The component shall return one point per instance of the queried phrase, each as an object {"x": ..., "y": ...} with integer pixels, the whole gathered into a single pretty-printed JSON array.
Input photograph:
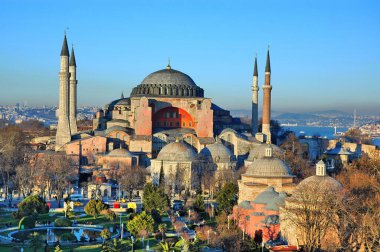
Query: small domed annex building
[
  {"x": 264, "y": 171},
  {"x": 179, "y": 165}
]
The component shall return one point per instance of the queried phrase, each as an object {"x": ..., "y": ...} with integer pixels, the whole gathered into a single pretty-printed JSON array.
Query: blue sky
[{"x": 324, "y": 54}]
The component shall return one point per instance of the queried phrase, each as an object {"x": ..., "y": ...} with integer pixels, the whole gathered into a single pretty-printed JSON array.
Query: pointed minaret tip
[
  {"x": 255, "y": 73},
  {"x": 72, "y": 58},
  {"x": 65, "y": 48},
  {"x": 267, "y": 66},
  {"x": 122, "y": 95}
]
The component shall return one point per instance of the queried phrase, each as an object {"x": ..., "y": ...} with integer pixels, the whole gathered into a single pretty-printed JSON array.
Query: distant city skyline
[{"x": 324, "y": 54}]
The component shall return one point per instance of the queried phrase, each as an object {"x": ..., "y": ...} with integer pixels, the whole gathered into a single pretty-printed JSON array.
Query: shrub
[
  {"x": 27, "y": 221},
  {"x": 94, "y": 207},
  {"x": 62, "y": 222},
  {"x": 109, "y": 214},
  {"x": 68, "y": 237},
  {"x": 32, "y": 205}
]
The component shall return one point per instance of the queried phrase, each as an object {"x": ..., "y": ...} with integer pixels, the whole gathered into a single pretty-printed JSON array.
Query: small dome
[
  {"x": 120, "y": 153},
  {"x": 269, "y": 167},
  {"x": 217, "y": 152},
  {"x": 266, "y": 196},
  {"x": 259, "y": 151},
  {"x": 325, "y": 182},
  {"x": 275, "y": 203},
  {"x": 123, "y": 101},
  {"x": 177, "y": 151}
]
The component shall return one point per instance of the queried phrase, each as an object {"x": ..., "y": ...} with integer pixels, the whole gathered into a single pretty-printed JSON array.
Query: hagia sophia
[{"x": 168, "y": 127}]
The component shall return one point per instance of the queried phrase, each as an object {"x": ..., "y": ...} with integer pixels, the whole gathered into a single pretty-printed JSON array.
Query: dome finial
[
  {"x": 320, "y": 168},
  {"x": 168, "y": 66}
]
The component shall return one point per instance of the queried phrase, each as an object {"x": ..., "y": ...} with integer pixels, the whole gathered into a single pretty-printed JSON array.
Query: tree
[
  {"x": 154, "y": 198},
  {"x": 227, "y": 197},
  {"x": 130, "y": 178},
  {"x": 311, "y": 213},
  {"x": 25, "y": 174},
  {"x": 359, "y": 216},
  {"x": 161, "y": 181},
  {"x": 162, "y": 229},
  {"x": 35, "y": 241},
  {"x": 113, "y": 246},
  {"x": 12, "y": 154},
  {"x": 57, "y": 249},
  {"x": 141, "y": 225},
  {"x": 199, "y": 204},
  {"x": 105, "y": 234},
  {"x": 94, "y": 207},
  {"x": 295, "y": 158},
  {"x": 32, "y": 205},
  {"x": 27, "y": 222}
]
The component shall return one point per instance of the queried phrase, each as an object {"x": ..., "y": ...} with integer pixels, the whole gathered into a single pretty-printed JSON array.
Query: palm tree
[{"x": 162, "y": 228}]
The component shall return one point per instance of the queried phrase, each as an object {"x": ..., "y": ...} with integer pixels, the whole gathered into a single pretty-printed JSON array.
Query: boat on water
[
  {"x": 302, "y": 132},
  {"x": 289, "y": 124}
]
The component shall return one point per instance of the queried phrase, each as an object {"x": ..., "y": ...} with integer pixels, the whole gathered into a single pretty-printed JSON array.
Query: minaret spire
[
  {"x": 267, "y": 89},
  {"x": 73, "y": 92},
  {"x": 72, "y": 58},
  {"x": 122, "y": 95},
  {"x": 63, "y": 134},
  {"x": 65, "y": 48},
  {"x": 267, "y": 66},
  {"x": 255, "y": 100}
]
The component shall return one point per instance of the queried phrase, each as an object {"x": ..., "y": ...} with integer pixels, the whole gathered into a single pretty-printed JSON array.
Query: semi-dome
[
  {"x": 216, "y": 152},
  {"x": 268, "y": 167},
  {"x": 168, "y": 82},
  {"x": 120, "y": 153},
  {"x": 177, "y": 151}
]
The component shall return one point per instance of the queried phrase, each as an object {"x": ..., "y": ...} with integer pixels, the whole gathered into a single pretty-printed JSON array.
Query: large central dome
[{"x": 168, "y": 82}]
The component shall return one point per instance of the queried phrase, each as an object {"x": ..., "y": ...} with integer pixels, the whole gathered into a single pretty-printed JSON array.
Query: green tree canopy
[
  {"x": 94, "y": 207},
  {"x": 199, "y": 204},
  {"x": 141, "y": 225},
  {"x": 154, "y": 198},
  {"x": 227, "y": 197},
  {"x": 32, "y": 205}
]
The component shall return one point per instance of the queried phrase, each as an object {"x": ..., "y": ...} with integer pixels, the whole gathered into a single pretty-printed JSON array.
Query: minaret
[
  {"x": 73, "y": 93},
  {"x": 63, "y": 135},
  {"x": 267, "y": 88},
  {"x": 255, "y": 100}
]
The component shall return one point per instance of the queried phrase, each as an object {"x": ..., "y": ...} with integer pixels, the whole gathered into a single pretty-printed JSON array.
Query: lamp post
[
  {"x": 132, "y": 239},
  {"x": 121, "y": 228},
  {"x": 208, "y": 237},
  {"x": 228, "y": 222}
]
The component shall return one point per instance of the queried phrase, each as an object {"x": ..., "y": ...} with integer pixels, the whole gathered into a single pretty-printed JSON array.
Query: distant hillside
[{"x": 295, "y": 116}]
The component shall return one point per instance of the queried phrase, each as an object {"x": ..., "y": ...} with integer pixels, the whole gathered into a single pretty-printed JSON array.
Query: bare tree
[
  {"x": 312, "y": 212},
  {"x": 131, "y": 178},
  {"x": 12, "y": 154}
]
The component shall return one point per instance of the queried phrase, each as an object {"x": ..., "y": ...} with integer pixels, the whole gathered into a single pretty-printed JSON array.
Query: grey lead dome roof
[
  {"x": 268, "y": 167},
  {"x": 169, "y": 77},
  {"x": 177, "y": 151},
  {"x": 259, "y": 151},
  {"x": 168, "y": 82},
  {"x": 217, "y": 152},
  {"x": 120, "y": 153},
  {"x": 325, "y": 182}
]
